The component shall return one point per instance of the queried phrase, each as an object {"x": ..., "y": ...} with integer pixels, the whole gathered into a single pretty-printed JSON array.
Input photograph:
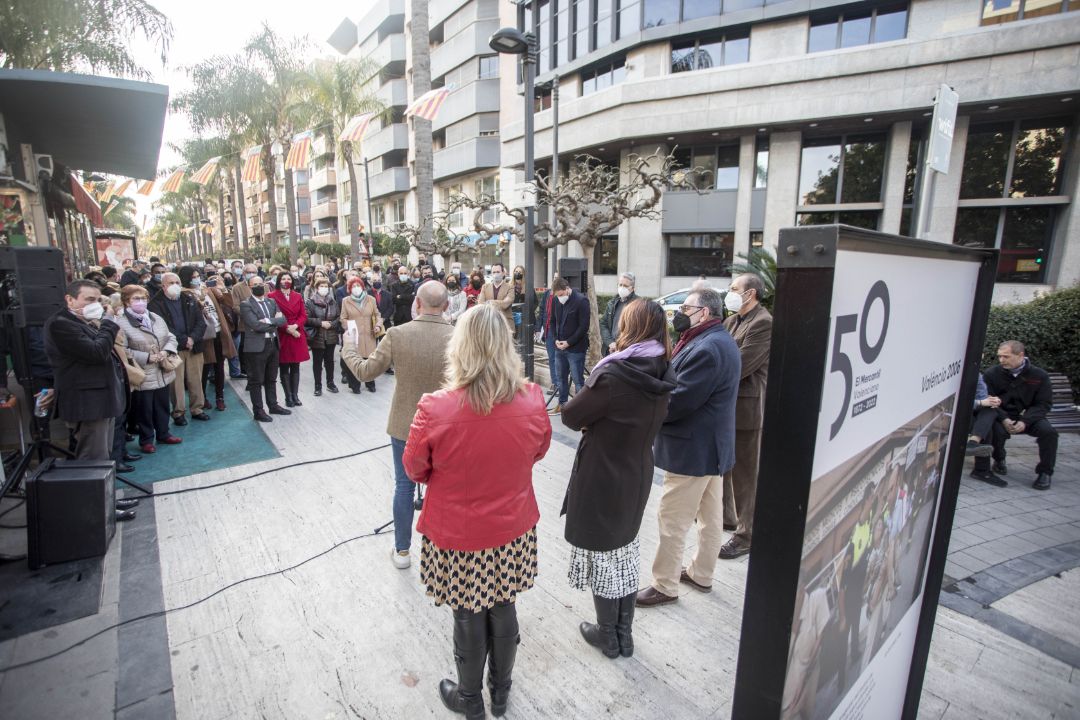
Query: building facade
[{"x": 814, "y": 111}]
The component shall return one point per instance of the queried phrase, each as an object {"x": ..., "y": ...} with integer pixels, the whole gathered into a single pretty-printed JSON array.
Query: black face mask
[
  {"x": 518, "y": 276},
  {"x": 477, "y": 284},
  {"x": 258, "y": 290},
  {"x": 680, "y": 321}
]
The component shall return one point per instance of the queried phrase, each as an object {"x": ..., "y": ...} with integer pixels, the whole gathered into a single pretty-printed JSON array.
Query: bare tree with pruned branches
[{"x": 436, "y": 236}]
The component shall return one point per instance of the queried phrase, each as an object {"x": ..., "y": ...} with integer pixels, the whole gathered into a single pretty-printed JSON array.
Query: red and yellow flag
[
  {"x": 146, "y": 188},
  {"x": 172, "y": 184},
  {"x": 299, "y": 151},
  {"x": 356, "y": 127},
  {"x": 119, "y": 192},
  {"x": 206, "y": 173},
  {"x": 252, "y": 170},
  {"x": 428, "y": 105}
]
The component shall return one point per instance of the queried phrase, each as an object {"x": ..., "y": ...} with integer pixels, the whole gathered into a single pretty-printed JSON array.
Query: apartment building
[
  {"x": 814, "y": 111},
  {"x": 257, "y": 207}
]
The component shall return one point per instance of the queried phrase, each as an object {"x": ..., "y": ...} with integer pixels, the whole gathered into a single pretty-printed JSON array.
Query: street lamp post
[{"x": 511, "y": 41}]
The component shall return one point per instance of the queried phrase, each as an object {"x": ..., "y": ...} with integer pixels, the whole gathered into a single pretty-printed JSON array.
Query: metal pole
[
  {"x": 554, "y": 157},
  {"x": 370, "y": 227},
  {"x": 529, "y": 61}
]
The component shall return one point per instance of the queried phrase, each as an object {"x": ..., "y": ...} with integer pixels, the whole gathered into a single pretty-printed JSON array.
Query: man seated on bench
[{"x": 1026, "y": 396}]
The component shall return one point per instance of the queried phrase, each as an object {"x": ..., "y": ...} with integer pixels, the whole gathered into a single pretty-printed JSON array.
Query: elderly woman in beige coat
[
  {"x": 360, "y": 307},
  {"x": 149, "y": 342}
]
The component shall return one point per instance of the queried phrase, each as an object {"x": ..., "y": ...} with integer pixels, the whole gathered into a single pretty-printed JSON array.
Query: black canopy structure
[{"x": 85, "y": 121}]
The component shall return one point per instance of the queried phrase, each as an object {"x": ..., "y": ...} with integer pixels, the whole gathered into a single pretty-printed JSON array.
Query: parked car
[{"x": 672, "y": 302}]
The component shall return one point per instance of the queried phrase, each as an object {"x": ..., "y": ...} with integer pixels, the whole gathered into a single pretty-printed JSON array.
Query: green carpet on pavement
[{"x": 229, "y": 438}]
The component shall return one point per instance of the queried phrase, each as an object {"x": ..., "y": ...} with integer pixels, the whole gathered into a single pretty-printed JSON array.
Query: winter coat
[
  {"x": 366, "y": 316},
  {"x": 321, "y": 309},
  {"x": 292, "y": 349},
  {"x": 228, "y": 347},
  {"x": 89, "y": 380},
  {"x": 141, "y": 343}
]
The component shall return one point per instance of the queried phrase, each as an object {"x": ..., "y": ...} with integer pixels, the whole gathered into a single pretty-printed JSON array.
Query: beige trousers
[
  {"x": 687, "y": 497},
  {"x": 188, "y": 377}
]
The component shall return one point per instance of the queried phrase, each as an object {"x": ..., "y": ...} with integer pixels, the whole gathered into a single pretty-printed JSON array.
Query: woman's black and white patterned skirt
[{"x": 609, "y": 573}]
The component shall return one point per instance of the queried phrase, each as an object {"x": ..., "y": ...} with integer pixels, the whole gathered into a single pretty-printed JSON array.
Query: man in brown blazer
[
  {"x": 499, "y": 293},
  {"x": 751, "y": 326},
  {"x": 417, "y": 351}
]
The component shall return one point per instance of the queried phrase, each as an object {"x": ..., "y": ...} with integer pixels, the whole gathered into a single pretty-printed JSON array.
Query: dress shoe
[
  {"x": 296, "y": 402},
  {"x": 389, "y": 371},
  {"x": 180, "y": 420},
  {"x": 148, "y": 448},
  {"x": 220, "y": 405},
  {"x": 318, "y": 392},
  {"x": 131, "y": 457},
  {"x": 126, "y": 503},
  {"x": 261, "y": 416},
  {"x": 1000, "y": 468},
  {"x": 201, "y": 416},
  {"x": 288, "y": 402},
  {"x": 128, "y": 437},
  {"x": 683, "y": 577},
  {"x": 171, "y": 440},
  {"x": 371, "y": 387},
  {"x": 557, "y": 410},
  {"x": 356, "y": 391},
  {"x": 238, "y": 376},
  {"x": 1042, "y": 482},
  {"x": 124, "y": 468},
  {"x": 977, "y": 449},
  {"x": 207, "y": 405},
  {"x": 990, "y": 478},
  {"x": 278, "y": 410},
  {"x": 125, "y": 515},
  {"x": 651, "y": 597},
  {"x": 331, "y": 387},
  {"x": 730, "y": 527},
  {"x": 733, "y": 549}
]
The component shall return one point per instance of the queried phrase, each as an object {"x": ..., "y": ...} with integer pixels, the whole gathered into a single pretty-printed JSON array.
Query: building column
[
  {"x": 946, "y": 188},
  {"x": 641, "y": 241},
  {"x": 1064, "y": 270},
  {"x": 785, "y": 157},
  {"x": 742, "y": 203},
  {"x": 895, "y": 176}
]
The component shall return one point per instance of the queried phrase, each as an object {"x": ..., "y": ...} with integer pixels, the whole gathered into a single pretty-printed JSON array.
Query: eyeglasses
[{"x": 684, "y": 309}]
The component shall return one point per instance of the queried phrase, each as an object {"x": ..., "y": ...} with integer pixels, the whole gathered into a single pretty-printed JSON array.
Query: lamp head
[{"x": 509, "y": 41}]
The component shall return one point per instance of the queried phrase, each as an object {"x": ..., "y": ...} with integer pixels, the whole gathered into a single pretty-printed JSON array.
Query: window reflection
[
  {"x": 629, "y": 17},
  {"x": 727, "y": 167},
  {"x": 864, "y": 164},
  {"x": 855, "y": 31},
  {"x": 1025, "y": 244},
  {"x": 986, "y": 159},
  {"x": 660, "y": 12},
  {"x": 700, "y": 254},
  {"x": 828, "y": 32},
  {"x": 1037, "y": 164},
  {"x": 761, "y": 163},
  {"x": 819, "y": 172},
  {"x": 704, "y": 54},
  {"x": 700, "y": 8},
  {"x": 823, "y": 37}
]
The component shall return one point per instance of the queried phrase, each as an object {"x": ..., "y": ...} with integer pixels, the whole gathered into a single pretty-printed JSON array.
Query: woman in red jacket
[
  {"x": 474, "y": 444},
  {"x": 291, "y": 339}
]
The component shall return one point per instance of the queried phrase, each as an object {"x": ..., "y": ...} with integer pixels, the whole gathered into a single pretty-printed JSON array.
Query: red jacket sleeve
[
  {"x": 417, "y": 457},
  {"x": 545, "y": 444}
]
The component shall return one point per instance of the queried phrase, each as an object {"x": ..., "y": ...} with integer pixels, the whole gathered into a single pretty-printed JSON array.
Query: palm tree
[
  {"x": 334, "y": 96},
  {"x": 121, "y": 213},
  {"x": 762, "y": 263},
  {"x": 73, "y": 35},
  {"x": 421, "y": 69}
]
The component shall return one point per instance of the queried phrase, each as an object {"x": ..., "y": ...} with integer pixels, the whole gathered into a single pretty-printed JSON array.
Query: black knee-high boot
[
  {"x": 294, "y": 383},
  {"x": 286, "y": 385},
  {"x": 470, "y": 652},
  {"x": 602, "y": 634},
  {"x": 624, "y": 625},
  {"x": 503, "y": 639}
]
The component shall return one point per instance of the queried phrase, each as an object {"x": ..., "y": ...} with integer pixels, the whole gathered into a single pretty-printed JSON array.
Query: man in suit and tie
[
  {"x": 417, "y": 351},
  {"x": 572, "y": 315},
  {"x": 261, "y": 319},
  {"x": 499, "y": 293},
  {"x": 750, "y": 324}
]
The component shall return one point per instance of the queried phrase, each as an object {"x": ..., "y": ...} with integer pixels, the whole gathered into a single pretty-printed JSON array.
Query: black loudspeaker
[
  {"x": 31, "y": 284},
  {"x": 576, "y": 272},
  {"x": 70, "y": 510}
]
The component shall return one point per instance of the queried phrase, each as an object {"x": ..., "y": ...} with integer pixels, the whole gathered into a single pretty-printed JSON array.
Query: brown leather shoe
[
  {"x": 733, "y": 549},
  {"x": 651, "y": 597},
  {"x": 683, "y": 577}
]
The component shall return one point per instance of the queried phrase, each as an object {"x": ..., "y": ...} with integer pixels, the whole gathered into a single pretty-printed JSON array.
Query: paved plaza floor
[{"x": 346, "y": 635}]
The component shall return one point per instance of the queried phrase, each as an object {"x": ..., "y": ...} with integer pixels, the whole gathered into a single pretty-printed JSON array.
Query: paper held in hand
[{"x": 352, "y": 333}]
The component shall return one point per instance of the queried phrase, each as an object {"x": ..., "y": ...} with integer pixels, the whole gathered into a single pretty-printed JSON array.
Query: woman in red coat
[
  {"x": 474, "y": 444},
  {"x": 291, "y": 339}
]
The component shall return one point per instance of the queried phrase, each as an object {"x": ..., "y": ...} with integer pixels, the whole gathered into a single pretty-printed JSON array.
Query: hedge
[{"x": 1049, "y": 326}]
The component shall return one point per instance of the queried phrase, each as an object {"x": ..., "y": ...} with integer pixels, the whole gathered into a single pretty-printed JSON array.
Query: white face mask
[
  {"x": 324, "y": 291},
  {"x": 624, "y": 292},
  {"x": 357, "y": 291},
  {"x": 173, "y": 291},
  {"x": 563, "y": 298},
  {"x": 733, "y": 301},
  {"x": 496, "y": 278},
  {"x": 93, "y": 311},
  {"x": 402, "y": 277}
]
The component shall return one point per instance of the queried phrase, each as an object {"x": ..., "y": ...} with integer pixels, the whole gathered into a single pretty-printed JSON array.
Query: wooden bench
[{"x": 1063, "y": 412}]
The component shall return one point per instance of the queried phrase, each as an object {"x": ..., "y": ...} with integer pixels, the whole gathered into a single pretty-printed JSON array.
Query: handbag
[
  {"x": 171, "y": 361},
  {"x": 136, "y": 375}
]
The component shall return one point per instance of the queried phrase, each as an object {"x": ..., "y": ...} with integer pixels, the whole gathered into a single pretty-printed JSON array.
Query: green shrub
[
  {"x": 602, "y": 303},
  {"x": 1049, "y": 326}
]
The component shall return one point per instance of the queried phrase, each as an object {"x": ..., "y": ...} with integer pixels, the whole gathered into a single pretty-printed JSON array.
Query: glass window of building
[
  {"x": 378, "y": 213},
  {"x": 660, "y": 12},
  {"x": 543, "y": 36},
  {"x": 864, "y": 166},
  {"x": 606, "y": 256},
  {"x": 734, "y": 5},
  {"x": 399, "y": 211},
  {"x": 581, "y": 28},
  {"x": 757, "y": 239},
  {"x": 489, "y": 67},
  {"x": 830, "y": 31},
  {"x": 700, "y": 8},
  {"x": 601, "y": 36},
  {"x": 1023, "y": 157},
  {"x": 630, "y": 17},
  {"x": 916, "y": 148},
  {"x": 844, "y": 170},
  {"x": 1037, "y": 154},
  {"x": 602, "y": 77},
  {"x": 819, "y": 171},
  {"x": 727, "y": 167},
  {"x": 706, "y": 254},
  {"x": 986, "y": 160},
  {"x": 859, "y": 218},
  {"x": 761, "y": 163},
  {"x": 562, "y": 32},
  {"x": 1002, "y": 11},
  {"x": 705, "y": 53}
]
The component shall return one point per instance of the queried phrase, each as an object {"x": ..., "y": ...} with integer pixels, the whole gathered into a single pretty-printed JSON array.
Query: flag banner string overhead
[
  {"x": 119, "y": 192},
  {"x": 299, "y": 151},
  {"x": 172, "y": 184},
  {"x": 107, "y": 192},
  {"x": 146, "y": 188},
  {"x": 252, "y": 171},
  {"x": 113, "y": 204},
  {"x": 427, "y": 106},
  {"x": 206, "y": 173},
  {"x": 356, "y": 127}
]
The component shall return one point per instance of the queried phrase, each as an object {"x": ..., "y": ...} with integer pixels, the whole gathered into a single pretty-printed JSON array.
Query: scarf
[
  {"x": 649, "y": 349},
  {"x": 359, "y": 300},
  {"x": 143, "y": 320},
  {"x": 692, "y": 333}
]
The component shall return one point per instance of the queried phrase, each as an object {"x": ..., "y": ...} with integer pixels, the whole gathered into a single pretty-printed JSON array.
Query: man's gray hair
[
  {"x": 432, "y": 295},
  {"x": 1015, "y": 347},
  {"x": 707, "y": 297},
  {"x": 629, "y": 276},
  {"x": 753, "y": 281}
]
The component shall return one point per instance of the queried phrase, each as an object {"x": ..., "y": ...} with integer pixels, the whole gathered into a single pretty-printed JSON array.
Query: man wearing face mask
[
  {"x": 89, "y": 379},
  {"x": 751, "y": 326},
  {"x": 262, "y": 319},
  {"x": 240, "y": 292},
  {"x": 403, "y": 293},
  {"x": 571, "y": 339},
  {"x": 157, "y": 270},
  {"x": 695, "y": 447},
  {"x": 183, "y": 314},
  {"x": 609, "y": 323},
  {"x": 499, "y": 293}
]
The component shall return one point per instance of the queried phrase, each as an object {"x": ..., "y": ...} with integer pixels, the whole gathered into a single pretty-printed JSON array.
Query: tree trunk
[
  {"x": 270, "y": 176},
  {"x": 290, "y": 206},
  {"x": 207, "y": 238},
  {"x": 238, "y": 208},
  {"x": 594, "y": 354},
  {"x": 421, "y": 69},
  {"x": 221, "y": 212},
  {"x": 354, "y": 203}
]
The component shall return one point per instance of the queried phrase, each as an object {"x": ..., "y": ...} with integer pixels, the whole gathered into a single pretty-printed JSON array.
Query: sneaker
[
  {"x": 402, "y": 559},
  {"x": 557, "y": 410},
  {"x": 976, "y": 449}
]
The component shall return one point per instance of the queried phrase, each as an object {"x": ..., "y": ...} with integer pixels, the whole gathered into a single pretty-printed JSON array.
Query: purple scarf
[{"x": 649, "y": 349}]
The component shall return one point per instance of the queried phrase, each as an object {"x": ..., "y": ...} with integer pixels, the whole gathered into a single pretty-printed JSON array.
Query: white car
[{"x": 672, "y": 302}]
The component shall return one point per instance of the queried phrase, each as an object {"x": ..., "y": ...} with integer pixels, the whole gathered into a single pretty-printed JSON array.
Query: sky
[{"x": 204, "y": 28}]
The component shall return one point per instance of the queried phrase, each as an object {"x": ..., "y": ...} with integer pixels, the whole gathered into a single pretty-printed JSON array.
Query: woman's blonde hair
[{"x": 481, "y": 359}]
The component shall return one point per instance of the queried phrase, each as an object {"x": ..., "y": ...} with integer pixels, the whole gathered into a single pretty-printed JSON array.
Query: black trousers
[
  {"x": 151, "y": 411},
  {"x": 262, "y": 372},
  {"x": 119, "y": 438},
  {"x": 323, "y": 359},
  {"x": 217, "y": 370},
  {"x": 1046, "y": 437}
]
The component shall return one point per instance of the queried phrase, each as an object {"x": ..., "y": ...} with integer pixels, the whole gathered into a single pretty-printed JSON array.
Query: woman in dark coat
[
  {"x": 619, "y": 412},
  {"x": 322, "y": 328}
]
